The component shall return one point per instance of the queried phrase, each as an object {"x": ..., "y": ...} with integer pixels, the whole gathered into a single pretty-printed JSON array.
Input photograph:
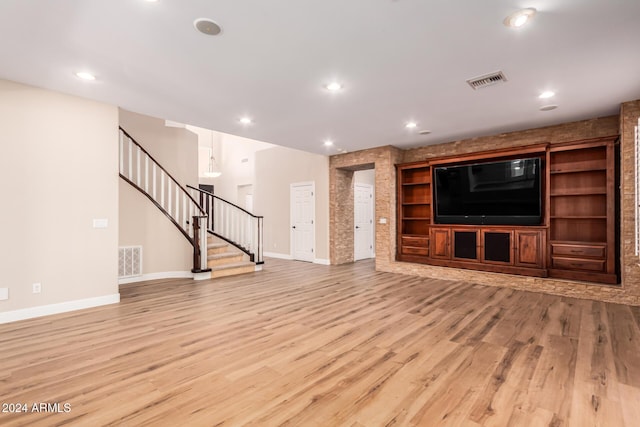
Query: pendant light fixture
[{"x": 214, "y": 170}]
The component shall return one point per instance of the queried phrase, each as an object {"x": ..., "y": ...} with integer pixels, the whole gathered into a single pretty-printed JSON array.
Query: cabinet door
[
  {"x": 529, "y": 247},
  {"x": 440, "y": 243},
  {"x": 497, "y": 247},
  {"x": 466, "y": 244}
]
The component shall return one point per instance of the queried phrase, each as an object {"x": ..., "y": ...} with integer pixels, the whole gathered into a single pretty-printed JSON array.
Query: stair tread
[
  {"x": 224, "y": 255},
  {"x": 234, "y": 265},
  {"x": 216, "y": 245}
]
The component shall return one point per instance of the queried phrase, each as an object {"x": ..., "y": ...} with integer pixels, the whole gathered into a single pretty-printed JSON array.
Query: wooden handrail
[
  {"x": 161, "y": 168},
  {"x": 225, "y": 201},
  {"x": 157, "y": 205},
  {"x": 185, "y": 208},
  {"x": 228, "y": 226}
]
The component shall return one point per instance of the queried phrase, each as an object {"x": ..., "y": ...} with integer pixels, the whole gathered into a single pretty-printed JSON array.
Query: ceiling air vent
[{"x": 487, "y": 80}]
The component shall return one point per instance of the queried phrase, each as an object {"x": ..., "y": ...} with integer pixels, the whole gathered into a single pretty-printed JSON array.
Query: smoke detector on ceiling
[{"x": 487, "y": 80}]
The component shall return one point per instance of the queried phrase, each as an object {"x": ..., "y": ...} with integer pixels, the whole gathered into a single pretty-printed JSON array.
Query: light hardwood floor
[{"x": 309, "y": 345}]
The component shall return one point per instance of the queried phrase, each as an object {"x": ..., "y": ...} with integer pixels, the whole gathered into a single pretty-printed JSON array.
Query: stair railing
[
  {"x": 232, "y": 223},
  {"x": 143, "y": 172}
]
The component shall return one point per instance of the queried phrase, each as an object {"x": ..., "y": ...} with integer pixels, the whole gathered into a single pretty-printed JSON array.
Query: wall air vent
[
  {"x": 129, "y": 261},
  {"x": 487, "y": 80}
]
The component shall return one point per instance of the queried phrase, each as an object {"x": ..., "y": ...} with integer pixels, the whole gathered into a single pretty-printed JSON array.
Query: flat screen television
[{"x": 497, "y": 193}]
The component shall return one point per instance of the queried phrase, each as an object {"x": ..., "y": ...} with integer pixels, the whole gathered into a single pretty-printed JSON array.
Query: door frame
[{"x": 313, "y": 218}]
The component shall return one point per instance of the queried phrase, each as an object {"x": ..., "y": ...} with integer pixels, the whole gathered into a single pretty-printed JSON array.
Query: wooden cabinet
[
  {"x": 497, "y": 246},
  {"x": 529, "y": 248},
  {"x": 414, "y": 211},
  {"x": 577, "y": 239},
  {"x": 466, "y": 244},
  {"x": 582, "y": 211},
  {"x": 440, "y": 245},
  {"x": 502, "y": 249}
]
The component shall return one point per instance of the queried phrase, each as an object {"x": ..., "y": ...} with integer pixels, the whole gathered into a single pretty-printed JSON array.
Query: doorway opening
[{"x": 363, "y": 214}]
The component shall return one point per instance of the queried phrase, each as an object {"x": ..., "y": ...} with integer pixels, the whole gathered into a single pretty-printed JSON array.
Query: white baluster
[
  {"x": 169, "y": 196},
  {"x": 146, "y": 174},
  {"x": 138, "y": 155},
  {"x": 184, "y": 212},
  {"x": 153, "y": 181},
  {"x": 130, "y": 161},
  {"x": 162, "y": 188},
  {"x": 191, "y": 207},
  {"x": 177, "y": 207},
  {"x": 121, "y": 152},
  {"x": 203, "y": 246}
]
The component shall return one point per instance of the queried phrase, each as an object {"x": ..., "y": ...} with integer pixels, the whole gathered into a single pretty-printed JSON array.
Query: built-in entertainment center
[{"x": 547, "y": 210}]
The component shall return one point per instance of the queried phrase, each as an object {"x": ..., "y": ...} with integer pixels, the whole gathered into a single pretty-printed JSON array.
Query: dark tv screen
[{"x": 497, "y": 193}]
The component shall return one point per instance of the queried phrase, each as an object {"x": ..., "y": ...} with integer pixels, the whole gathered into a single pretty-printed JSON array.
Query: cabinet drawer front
[
  {"x": 577, "y": 250},
  {"x": 411, "y": 250},
  {"x": 578, "y": 264},
  {"x": 415, "y": 241}
]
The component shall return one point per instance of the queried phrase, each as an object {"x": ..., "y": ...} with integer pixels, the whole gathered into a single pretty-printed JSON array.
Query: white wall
[
  {"x": 235, "y": 157},
  {"x": 276, "y": 169},
  {"x": 165, "y": 250},
  {"x": 59, "y": 171}
]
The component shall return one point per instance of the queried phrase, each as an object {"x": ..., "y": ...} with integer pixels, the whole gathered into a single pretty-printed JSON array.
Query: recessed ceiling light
[
  {"x": 546, "y": 94},
  {"x": 328, "y": 143},
  {"x": 333, "y": 87},
  {"x": 245, "y": 120},
  {"x": 519, "y": 18},
  {"x": 424, "y": 132},
  {"x": 411, "y": 125},
  {"x": 207, "y": 26},
  {"x": 85, "y": 75},
  {"x": 548, "y": 107}
]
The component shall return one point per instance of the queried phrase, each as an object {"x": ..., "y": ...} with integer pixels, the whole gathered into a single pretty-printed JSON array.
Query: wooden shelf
[
  {"x": 416, "y": 183},
  {"x": 416, "y": 204},
  {"x": 416, "y": 219},
  {"x": 578, "y": 217},
  {"x": 577, "y": 192},
  {"x": 583, "y": 166}
]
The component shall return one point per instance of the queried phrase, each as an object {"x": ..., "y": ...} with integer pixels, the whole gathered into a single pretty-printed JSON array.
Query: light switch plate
[
  {"x": 383, "y": 220},
  {"x": 100, "y": 223},
  {"x": 4, "y": 293}
]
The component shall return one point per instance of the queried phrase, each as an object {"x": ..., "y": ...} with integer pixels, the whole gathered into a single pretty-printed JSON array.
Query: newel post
[{"x": 197, "y": 248}]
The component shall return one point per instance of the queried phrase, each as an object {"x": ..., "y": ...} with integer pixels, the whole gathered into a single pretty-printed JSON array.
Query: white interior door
[
  {"x": 303, "y": 221},
  {"x": 363, "y": 221}
]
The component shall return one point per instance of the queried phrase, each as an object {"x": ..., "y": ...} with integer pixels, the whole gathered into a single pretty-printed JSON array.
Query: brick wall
[
  {"x": 384, "y": 159},
  {"x": 629, "y": 114}
]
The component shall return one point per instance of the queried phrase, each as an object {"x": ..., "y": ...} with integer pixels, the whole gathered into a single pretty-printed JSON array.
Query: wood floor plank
[{"x": 303, "y": 344}]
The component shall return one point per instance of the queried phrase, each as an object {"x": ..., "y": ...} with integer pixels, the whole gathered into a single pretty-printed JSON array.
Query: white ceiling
[{"x": 398, "y": 60}]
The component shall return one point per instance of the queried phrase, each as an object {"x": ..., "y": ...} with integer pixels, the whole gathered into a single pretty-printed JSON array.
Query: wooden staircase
[{"x": 225, "y": 260}]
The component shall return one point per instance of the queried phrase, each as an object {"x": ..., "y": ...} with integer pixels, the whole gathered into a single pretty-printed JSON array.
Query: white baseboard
[
  {"x": 290, "y": 258},
  {"x": 201, "y": 276},
  {"x": 155, "y": 276},
  {"x": 277, "y": 255},
  {"x": 63, "y": 307}
]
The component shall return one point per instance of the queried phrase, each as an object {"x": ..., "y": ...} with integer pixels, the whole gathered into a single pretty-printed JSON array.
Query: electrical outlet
[
  {"x": 4, "y": 293},
  {"x": 37, "y": 288}
]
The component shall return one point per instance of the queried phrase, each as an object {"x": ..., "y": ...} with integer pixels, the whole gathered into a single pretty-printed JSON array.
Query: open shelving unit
[
  {"x": 414, "y": 210},
  {"x": 582, "y": 211}
]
